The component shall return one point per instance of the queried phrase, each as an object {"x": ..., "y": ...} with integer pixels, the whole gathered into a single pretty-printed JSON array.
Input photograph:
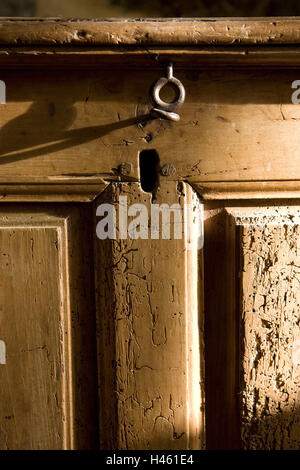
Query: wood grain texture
[
  {"x": 252, "y": 357},
  {"x": 267, "y": 42},
  {"x": 154, "y": 57},
  {"x": 72, "y": 131},
  {"x": 177, "y": 31},
  {"x": 150, "y": 336},
  {"x": 48, "y": 384},
  {"x": 77, "y": 108}
]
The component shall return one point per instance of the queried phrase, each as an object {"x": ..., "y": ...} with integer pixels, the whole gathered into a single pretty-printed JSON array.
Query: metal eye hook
[
  {"x": 170, "y": 70},
  {"x": 162, "y": 108}
]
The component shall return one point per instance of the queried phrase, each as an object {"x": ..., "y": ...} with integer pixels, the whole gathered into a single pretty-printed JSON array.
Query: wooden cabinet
[{"x": 149, "y": 343}]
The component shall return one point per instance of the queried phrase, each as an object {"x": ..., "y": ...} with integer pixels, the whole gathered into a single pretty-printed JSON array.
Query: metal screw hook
[
  {"x": 170, "y": 70},
  {"x": 161, "y": 108}
]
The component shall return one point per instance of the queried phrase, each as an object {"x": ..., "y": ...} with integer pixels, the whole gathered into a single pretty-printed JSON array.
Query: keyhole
[{"x": 149, "y": 164}]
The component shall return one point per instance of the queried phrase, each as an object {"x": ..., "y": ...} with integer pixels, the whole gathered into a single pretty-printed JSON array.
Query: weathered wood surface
[
  {"x": 57, "y": 42},
  {"x": 74, "y": 130},
  {"x": 270, "y": 332},
  {"x": 64, "y": 134},
  {"x": 252, "y": 358},
  {"x": 48, "y": 391},
  {"x": 177, "y": 31},
  {"x": 150, "y": 335}
]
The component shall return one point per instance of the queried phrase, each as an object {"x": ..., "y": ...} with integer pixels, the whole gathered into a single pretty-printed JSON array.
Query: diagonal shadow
[{"x": 57, "y": 139}]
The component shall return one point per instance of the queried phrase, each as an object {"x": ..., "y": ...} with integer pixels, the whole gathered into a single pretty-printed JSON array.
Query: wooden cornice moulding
[
  {"x": 224, "y": 190},
  {"x": 195, "y": 41},
  {"x": 151, "y": 57},
  {"x": 151, "y": 32}
]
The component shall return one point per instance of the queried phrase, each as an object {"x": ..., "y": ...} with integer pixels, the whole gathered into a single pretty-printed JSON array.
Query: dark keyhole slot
[{"x": 149, "y": 162}]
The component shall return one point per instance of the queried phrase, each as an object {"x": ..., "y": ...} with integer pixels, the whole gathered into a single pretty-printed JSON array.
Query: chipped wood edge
[
  {"x": 177, "y": 31},
  {"x": 92, "y": 43}
]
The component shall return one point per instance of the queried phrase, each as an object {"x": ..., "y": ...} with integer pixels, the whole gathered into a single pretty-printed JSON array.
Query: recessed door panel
[{"x": 47, "y": 374}]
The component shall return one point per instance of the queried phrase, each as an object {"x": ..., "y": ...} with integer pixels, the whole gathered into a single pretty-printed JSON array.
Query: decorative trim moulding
[
  {"x": 226, "y": 190},
  {"x": 133, "y": 32},
  {"x": 152, "y": 57},
  {"x": 196, "y": 41},
  {"x": 51, "y": 189},
  {"x": 87, "y": 189}
]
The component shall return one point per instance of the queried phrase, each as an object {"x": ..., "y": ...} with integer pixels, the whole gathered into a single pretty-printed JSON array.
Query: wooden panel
[
  {"x": 271, "y": 333},
  {"x": 254, "y": 295},
  {"x": 150, "y": 334},
  {"x": 47, "y": 385},
  {"x": 74, "y": 130},
  {"x": 221, "y": 332}
]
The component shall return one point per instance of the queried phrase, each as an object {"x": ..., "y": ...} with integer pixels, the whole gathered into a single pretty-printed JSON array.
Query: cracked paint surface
[
  {"x": 270, "y": 334},
  {"x": 144, "y": 326}
]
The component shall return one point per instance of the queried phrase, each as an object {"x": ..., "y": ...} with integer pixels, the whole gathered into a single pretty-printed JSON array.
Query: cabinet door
[
  {"x": 252, "y": 299},
  {"x": 48, "y": 389}
]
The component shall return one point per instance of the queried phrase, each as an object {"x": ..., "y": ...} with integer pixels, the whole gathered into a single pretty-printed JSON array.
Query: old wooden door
[{"x": 149, "y": 343}]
